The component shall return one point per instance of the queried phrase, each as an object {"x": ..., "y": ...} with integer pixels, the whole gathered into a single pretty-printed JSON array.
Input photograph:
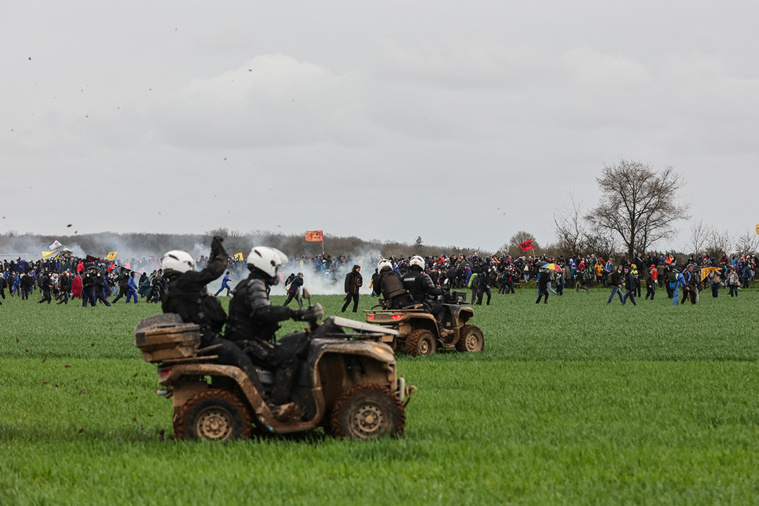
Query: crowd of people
[
  {"x": 246, "y": 337},
  {"x": 625, "y": 276},
  {"x": 92, "y": 280}
]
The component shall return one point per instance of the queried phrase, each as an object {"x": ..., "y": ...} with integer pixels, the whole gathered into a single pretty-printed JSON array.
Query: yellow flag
[
  {"x": 705, "y": 271},
  {"x": 112, "y": 255},
  {"x": 48, "y": 254},
  {"x": 238, "y": 256},
  {"x": 757, "y": 229}
]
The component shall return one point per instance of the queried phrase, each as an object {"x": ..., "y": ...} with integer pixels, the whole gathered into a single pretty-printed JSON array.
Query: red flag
[
  {"x": 314, "y": 236},
  {"x": 526, "y": 246}
]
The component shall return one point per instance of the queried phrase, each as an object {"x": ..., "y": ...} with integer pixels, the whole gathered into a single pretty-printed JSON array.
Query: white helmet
[
  {"x": 267, "y": 260},
  {"x": 384, "y": 264},
  {"x": 177, "y": 262},
  {"x": 416, "y": 260}
]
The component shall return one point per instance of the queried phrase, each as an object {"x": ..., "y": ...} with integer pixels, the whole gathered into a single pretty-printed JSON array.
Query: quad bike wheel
[
  {"x": 420, "y": 342},
  {"x": 213, "y": 415},
  {"x": 368, "y": 411},
  {"x": 471, "y": 339}
]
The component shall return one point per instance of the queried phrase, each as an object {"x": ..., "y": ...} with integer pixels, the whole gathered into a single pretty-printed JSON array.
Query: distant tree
[
  {"x": 513, "y": 249},
  {"x": 220, "y": 232},
  {"x": 747, "y": 243},
  {"x": 395, "y": 250},
  {"x": 602, "y": 245},
  {"x": 571, "y": 230},
  {"x": 718, "y": 243},
  {"x": 699, "y": 236},
  {"x": 637, "y": 204},
  {"x": 418, "y": 245}
]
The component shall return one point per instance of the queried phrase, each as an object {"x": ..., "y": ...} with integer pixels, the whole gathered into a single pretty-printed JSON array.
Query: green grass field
[{"x": 576, "y": 401}]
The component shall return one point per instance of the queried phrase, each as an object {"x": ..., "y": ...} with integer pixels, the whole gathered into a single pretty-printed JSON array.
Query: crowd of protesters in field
[
  {"x": 91, "y": 280},
  {"x": 555, "y": 274},
  {"x": 94, "y": 280}
]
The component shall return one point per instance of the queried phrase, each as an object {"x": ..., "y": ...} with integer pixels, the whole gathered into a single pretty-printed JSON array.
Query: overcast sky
[{"x": 460, "y": 122}]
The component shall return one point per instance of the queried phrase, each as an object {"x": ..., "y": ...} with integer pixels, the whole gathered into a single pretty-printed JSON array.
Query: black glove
[
  {"x": 216, "y": 246},
  {"x": 311, "y": 313}
]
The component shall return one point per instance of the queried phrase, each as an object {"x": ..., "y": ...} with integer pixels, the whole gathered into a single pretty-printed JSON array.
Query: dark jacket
[
  {"x": 88, "y": 281},
  {"x": 188, "y": 296},
  {"x": 631, "y": 281},
  {"x": 251, "y": 314},
  {"x": 353, "y": 281},
  {"x": 419, "y": 285},
  {"x": 295, "y": 285},
  {"x": 390, "y": 286}
]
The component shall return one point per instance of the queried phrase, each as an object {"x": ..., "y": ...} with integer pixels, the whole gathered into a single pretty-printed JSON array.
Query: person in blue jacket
[
  {"x": 131, "y": 288},
  {"x": 224, "y": 284},
  {"x": 676, "y": 280}
]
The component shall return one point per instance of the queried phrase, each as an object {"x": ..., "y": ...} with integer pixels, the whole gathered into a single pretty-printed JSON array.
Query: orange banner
[{"x": 314, "y": 236}]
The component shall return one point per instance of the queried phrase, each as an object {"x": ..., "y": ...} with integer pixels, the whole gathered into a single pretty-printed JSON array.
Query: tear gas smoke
[
  {"x": 152, "y": 246},
  {"x": 316, "y": 281}
]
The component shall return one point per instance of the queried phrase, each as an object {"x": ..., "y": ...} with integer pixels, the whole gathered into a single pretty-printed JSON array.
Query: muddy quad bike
[
  {"x": 419, "y": 333},
  {"x": 348, "y": 383}
]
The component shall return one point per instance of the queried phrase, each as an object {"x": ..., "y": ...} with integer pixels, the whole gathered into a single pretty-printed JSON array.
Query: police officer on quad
[
  {"x": 390, "y": 285},
  {"x": 188, "y": 297},
  {"x": 253, "y": 321},
  {"x": 422, "y": 290}
]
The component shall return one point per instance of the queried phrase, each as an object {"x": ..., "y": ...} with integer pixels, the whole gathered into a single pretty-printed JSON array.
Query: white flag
[{"x": 55, "y": 245}]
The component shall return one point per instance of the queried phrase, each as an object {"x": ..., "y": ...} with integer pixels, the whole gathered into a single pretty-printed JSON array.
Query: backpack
[
  {"x": 673, "y": 276},
  {"x": 471, "y": 280}
]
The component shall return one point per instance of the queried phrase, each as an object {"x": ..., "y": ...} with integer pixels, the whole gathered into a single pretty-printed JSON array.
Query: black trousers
[
  {"x": 482, "y": 290},
  {"x": 122, "y": 293},
  {"x": 231, "y": 354},
  {"x": 348, "y": 298},
  {"x": 294, "y": 295},
  {"x": 284, "y": 358}
]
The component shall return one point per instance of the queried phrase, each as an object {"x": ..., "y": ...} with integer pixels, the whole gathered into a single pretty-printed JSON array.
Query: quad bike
[
  {"x": 348, "y": 383},
  {"x": 419, "y": 332}
]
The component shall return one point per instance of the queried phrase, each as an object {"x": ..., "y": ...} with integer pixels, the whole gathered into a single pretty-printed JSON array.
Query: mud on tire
[
  {"x": 470, "y": 339},
  {"x": 368, "y": 411},
  {"x": 420, "y": 342},
  {"x": 213, "y": 415}
]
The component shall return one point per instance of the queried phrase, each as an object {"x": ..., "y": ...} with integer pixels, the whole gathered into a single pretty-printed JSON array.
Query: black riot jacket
[
  {"x": 251, "y": 315},
  {"x": 390, "y": 285},
  {"x": 188, "y": 297},
  {"x": 419, "y": 285}
]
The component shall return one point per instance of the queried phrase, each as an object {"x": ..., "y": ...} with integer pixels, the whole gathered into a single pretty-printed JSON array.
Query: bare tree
[
  {"x": 699, "y": 237},
  {"x": 638, "y": 204},
  {"x": 513, "y": 249},
  {"x": 747, "y": 244},
  {"x": 602, "y": 245},
  {"x": 571, "y": 230},
  {"x": 234, "y": 241},
  {"x": 718, "y": 243}
]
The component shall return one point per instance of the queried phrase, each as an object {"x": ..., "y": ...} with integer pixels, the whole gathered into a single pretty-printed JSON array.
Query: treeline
[{"x": 147, "y": 244}]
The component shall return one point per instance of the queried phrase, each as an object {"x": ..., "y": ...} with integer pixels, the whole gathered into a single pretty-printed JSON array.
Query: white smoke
[{"x": 319, "y": 282}]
